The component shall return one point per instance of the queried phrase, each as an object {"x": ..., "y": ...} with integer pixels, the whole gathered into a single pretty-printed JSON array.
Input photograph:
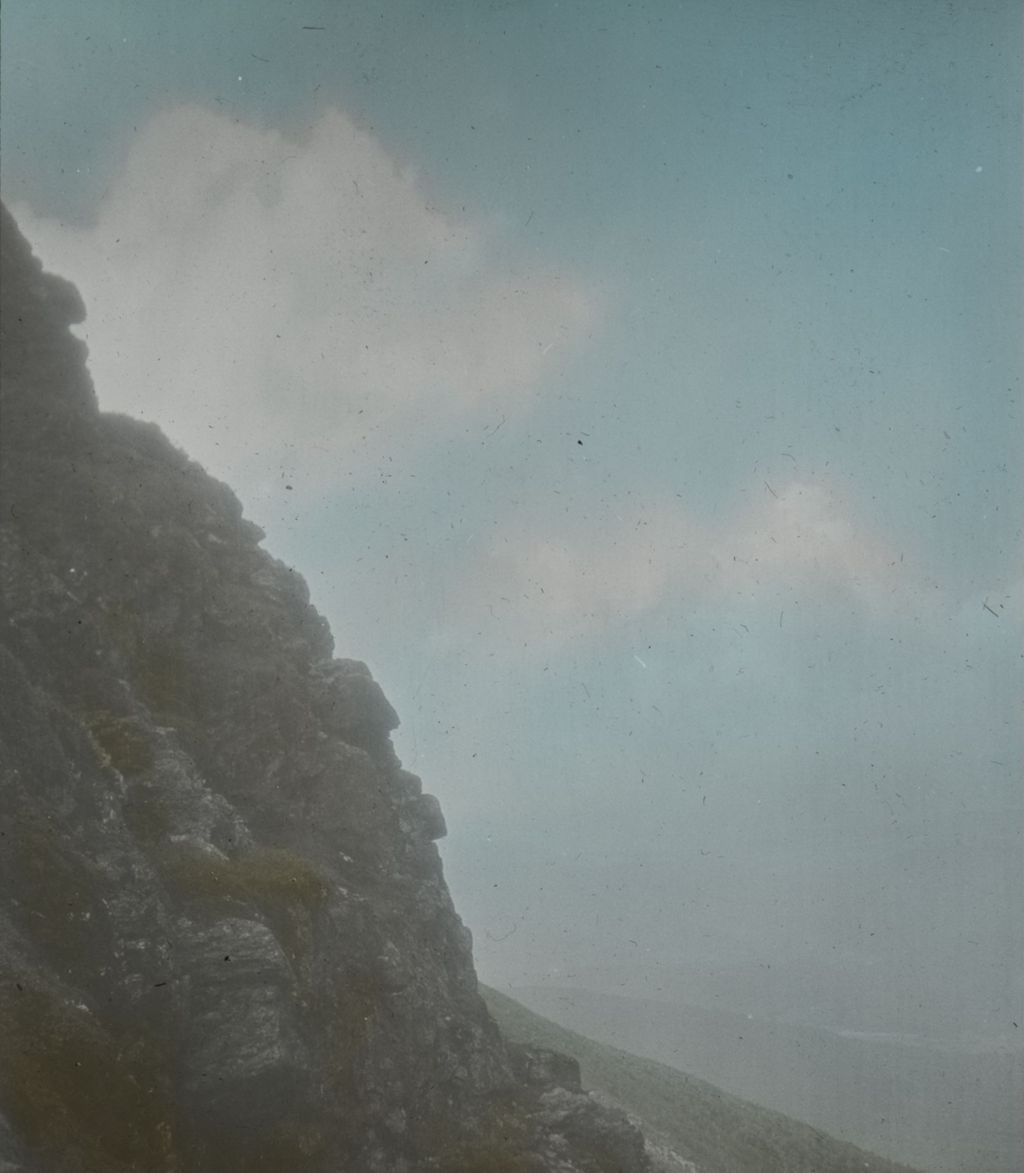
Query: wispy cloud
[
  {"x": 804, "y": 535},
  {"x": 296, "y": 305},
  {"x": 800, "y": 538}
]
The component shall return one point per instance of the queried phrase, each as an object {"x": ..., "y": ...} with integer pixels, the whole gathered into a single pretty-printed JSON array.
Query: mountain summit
[{"x": 226, "y": 942}]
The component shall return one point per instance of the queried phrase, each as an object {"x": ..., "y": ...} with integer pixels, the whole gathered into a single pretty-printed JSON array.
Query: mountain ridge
[{"x": 226, "y": 942}]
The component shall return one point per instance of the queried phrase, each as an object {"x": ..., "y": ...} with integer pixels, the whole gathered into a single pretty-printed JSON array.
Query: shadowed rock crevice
[{"x": 226, "y": 942}]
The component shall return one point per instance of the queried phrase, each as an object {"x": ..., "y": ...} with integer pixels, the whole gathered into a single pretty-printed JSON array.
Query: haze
[{"x": 638, "y": 389}]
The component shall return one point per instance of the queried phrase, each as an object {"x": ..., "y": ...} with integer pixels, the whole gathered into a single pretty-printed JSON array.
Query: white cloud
[
  {"x": 807, "y": 537},
  {"x": 555, "y": 586},
  {"x": 289, "y": 306},
  {"x": 804, "y": 541}
]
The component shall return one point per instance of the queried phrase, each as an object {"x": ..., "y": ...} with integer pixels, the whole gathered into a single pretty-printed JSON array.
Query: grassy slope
[
  {"x": 718, "y": 1132},
  {"x": 931, "y": 1103}
]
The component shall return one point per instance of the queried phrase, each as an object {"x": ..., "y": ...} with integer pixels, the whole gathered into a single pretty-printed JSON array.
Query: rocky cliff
[{"x": 225, "y": 938}]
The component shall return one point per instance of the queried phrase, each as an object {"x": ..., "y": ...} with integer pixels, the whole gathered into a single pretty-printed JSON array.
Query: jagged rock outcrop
[{"x": 226, "y": 942}]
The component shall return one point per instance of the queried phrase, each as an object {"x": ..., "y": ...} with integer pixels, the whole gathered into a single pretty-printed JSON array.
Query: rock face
[{"x": 225, "y": 939}]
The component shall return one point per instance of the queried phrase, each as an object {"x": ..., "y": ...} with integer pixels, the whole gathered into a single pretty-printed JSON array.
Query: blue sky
[{"x": 638, "y": 387}]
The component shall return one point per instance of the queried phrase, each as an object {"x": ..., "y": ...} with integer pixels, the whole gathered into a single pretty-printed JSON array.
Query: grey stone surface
[{"x": 225, "y": 939}]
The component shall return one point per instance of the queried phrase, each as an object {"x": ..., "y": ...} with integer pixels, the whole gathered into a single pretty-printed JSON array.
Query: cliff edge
[{"x": 225, "y": 938}]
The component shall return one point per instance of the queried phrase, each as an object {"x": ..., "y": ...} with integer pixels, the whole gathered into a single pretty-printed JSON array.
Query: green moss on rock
[
  {"x": 67, "y": 1088},
  {"x": 269, "y": 878},
  {"x": 123, "y": 742}
]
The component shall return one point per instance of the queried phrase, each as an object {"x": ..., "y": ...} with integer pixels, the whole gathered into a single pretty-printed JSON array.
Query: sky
[{"x": 638, "y": 388}]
